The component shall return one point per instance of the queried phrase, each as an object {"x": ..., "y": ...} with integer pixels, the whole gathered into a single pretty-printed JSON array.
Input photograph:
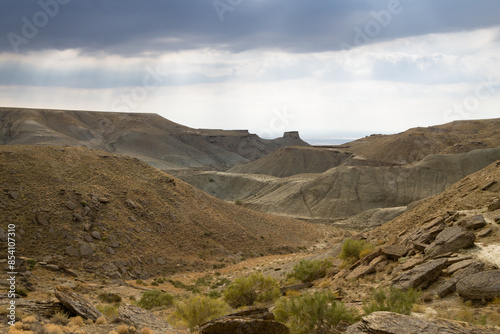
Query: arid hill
[
  {"x": 475, "y": 192},
  {"x": 344, "y": 191},
  {"x": 415, "y": 144},
  {"x": 118, "y": 216},
  {"x": 290, "y": 161},
  {"x": 148, "y": 137}
]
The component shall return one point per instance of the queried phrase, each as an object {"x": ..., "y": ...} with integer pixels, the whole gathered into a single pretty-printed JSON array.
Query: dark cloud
[{"x": 130, "y": 27}]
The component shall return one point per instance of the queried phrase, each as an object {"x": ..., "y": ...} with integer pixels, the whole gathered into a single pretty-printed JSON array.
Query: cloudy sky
[{"x": 328, "y": 68}]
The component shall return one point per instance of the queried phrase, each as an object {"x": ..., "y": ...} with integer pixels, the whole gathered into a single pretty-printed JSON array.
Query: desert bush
[
  {"x": 78, "y": 321},
  {"x": 353, "y": 250},
  {"x": 60, "y": 318},
  {"x": 101, "y": 320},
  {"x": 147, "y": 330},
  {"x": 308, "y": 271},
  {"x": 245, "y": 291},
  {"x": 199, "y": 309},
  {"x": 124, "y": 329},
  {"x": 307, "y": 313},
  {"x": 392, "y": 300},
  {"x": 155, "y": 298},
  {"x": 110, "y": 311},
  {"x": 52, "y": 329},
  {"x": 110, "y": 298},
  {"x": 238, "y": 202},
  {"x": 29, "y": 319}
]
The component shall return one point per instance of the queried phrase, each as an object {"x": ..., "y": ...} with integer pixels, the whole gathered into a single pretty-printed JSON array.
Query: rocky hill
[
  {"x": 119, "y": 217},
  {"x": 344, "y": 191},
  {"x": 148, "y": 137},
  {"x": 415, "y": 144}
]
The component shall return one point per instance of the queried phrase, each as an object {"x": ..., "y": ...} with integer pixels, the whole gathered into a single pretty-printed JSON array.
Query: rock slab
[
  {"x": 421, "y": 276},
  {"x": 76, "y": 304},
  {"x": 140, "y": 318},
  {"x": 480, "y": 286},
  {"x": 450, "y": 239},
  {"x": 394, "y": 323}
]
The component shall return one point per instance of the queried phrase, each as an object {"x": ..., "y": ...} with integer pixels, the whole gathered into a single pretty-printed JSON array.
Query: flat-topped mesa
[{"x": 291, "y": 134}]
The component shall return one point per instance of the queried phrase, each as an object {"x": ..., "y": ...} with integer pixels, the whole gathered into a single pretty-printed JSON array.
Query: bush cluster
[
  {"x": 392, "y": 300},
  {"x": 308, "y": 271},
  {"x": 312, "y": 312},
  {"x": 353, "y": 250},
  {"x": 155, "y": 298},
  {"x": 245, "y": 291},
  {"x": 107, "y": 297},
  {"x": 199, "y": 309}
]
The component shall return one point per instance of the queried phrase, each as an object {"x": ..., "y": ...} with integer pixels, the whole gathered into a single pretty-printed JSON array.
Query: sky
[{"x": 325, "y": 68}]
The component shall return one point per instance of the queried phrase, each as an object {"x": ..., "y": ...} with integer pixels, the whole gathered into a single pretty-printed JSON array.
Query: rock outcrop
[
  {"x": 394, "y": 323},
  {"x": 420, "y": 276},
  {"x": 480, "y": 286},
  {"x": 140, "y": 318},
  {"x": 76, "y": 304},
  {"x": 450, "y": 239}
]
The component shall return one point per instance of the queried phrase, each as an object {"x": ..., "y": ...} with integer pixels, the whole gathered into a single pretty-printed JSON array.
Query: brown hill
[
  {"x": 116, "y": 215},
  {"x": 474, "y": 192},
  {"x": 415, "y": 144},
  {"x": 344, "y": 191},
  {"x": 290, "y": 161},
  {"x": 149, "y": 137}
]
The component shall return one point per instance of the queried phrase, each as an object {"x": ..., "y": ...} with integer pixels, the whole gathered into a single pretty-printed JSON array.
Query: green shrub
[
  {"x": 110, "y": 298},
  {"x": 392, "y": 300},
  {"x": 318, "y": 311},
  {"x": 31, "y": 264},
  {"x": 21, "y": 291},
  {"x": 238, "y": 202},
  {"x": 352, "y": 250},
  {"x": 110, "y": 311},
  {"x": 199, "y": 309},
  {"x": 155, "y": 298},
  {"x": 245, "y": 291},
  {"x": 308, "y": 271}
]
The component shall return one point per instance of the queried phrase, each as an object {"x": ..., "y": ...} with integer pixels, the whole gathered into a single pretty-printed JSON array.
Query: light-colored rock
[{"x": 394, "y": 323}]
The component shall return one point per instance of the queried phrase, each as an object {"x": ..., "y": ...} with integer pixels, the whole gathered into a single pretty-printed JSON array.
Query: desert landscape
[{"x": 130, "y": 223}]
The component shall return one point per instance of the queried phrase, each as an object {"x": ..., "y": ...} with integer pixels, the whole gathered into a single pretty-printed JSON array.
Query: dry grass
[
  {"x": 101, "y": 320},
  {"x": 146, "y": 330},
  {"x": 124, "y": 329},
  {"x": 52, "y": 329},
  {"x": 29, "y": 319},
  {"x": 77, "y": 321}
]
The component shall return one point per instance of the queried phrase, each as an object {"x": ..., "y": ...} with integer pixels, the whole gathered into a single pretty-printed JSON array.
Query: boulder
[
  {"x": 254, "y": 326},
  {"x": 41, "y": 219},
  {"x": 70, "y": 205},
  {"x": 394, "y": 323},
  {"x": 450, "y": 285},
  {"x": 485, "y": 232},
  {"x": 394, "y": 251},
  {"x": 72, "y": 251},
  {"x": 76, "y": 304},
  {"x": 138, "y": 317},
  {"x": 459, "y": 265},
  {"x": 86, "y": 249},
  {"x": 480, "y": 286},
  {"x": 473, "y": 222},
  {"x": 450, "y": 239},
  {"x": 420, "y": 276},
  {"x": 361, "y": 271}
]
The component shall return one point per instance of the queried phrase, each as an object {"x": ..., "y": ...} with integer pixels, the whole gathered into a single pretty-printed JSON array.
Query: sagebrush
[
  {"x": 310, "y": 270},
  {"x": 319, "y": 311},
  {"x": 391, "y": 299},
  {"x": 245, "y": 291},
  {"x": 155, "y": 298},
  {"x": 199, "y": 309}
]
